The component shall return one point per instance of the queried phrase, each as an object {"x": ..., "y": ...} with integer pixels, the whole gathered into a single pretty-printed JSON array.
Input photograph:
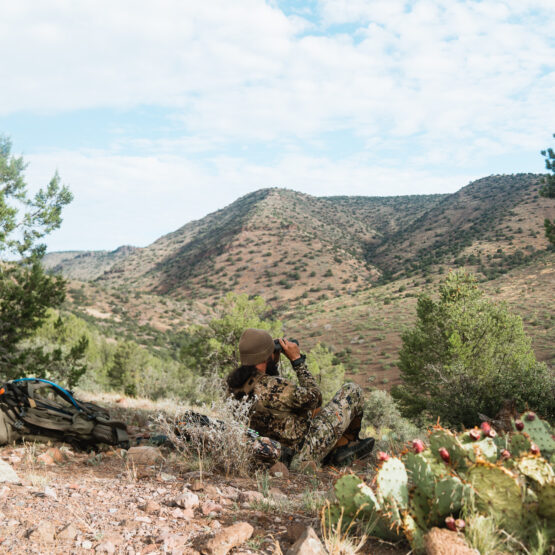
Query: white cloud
[{"x": 428, "y": 88}]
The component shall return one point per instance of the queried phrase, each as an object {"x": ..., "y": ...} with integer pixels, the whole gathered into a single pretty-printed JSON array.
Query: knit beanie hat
[{"x": 255, "y": 346}]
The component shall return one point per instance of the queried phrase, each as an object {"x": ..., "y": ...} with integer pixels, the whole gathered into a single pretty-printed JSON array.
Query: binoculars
[{"x": 277, "y": 345}]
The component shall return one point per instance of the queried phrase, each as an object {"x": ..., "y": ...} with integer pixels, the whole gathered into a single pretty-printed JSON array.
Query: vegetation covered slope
[{"x": 493, "y": 224}]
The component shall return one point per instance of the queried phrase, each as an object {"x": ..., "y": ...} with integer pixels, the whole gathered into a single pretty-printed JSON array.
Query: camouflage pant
[{"x": 330, "y": 424}]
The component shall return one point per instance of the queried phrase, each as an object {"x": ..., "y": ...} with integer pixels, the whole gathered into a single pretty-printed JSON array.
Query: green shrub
[{"x": 466, "y": 355}]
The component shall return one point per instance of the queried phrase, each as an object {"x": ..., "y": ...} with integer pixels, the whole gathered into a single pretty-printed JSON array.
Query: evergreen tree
[
  {"x": 548, "y": 190},
  {"x": 466, "y": 355},
  {"x": 26, "y": 292},
  {"x": 214, "y": 348}
]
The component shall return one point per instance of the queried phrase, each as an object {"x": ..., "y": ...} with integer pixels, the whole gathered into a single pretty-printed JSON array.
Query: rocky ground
[{"x": 143, "y": 501}]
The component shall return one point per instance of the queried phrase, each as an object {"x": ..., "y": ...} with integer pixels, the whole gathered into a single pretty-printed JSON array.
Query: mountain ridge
[{"x": 284, "y": 244}]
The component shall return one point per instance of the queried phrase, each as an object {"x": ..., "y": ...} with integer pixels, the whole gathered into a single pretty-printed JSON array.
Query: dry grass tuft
[{"x": 224, "y": 446}]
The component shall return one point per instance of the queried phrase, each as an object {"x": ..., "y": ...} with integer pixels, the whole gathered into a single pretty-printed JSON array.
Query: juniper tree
[
  {"x": 466, "y": 355},
  {"x": 26, "y": 292},
  {"x": 548, "y": 190}
]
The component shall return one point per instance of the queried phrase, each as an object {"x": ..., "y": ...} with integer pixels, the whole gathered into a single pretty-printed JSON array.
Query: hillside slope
[
  {"x": 85, "y": 265},
  {"x": 274, "y": 242},
  {"x": 492, "y": 224}
]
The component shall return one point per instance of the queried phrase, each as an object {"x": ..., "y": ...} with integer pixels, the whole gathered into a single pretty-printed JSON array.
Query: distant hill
[
  {"x": 492, "y": 225},
  {"x": 272, "y": 242},
  {"x": 286, "y": 245},
  {"x": 84, "y": 265}
]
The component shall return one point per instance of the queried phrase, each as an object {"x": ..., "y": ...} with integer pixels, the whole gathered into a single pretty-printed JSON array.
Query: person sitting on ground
[{"x": 291, "y": 413}]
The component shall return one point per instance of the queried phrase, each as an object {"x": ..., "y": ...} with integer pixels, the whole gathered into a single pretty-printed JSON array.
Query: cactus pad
[
  {"x": 450, "y": 494},
  {"x": 546, "y": 501},
  {"x": 498, "y": 491},
  {"x": 519, "y": 444},
  {"x": 413, "y": 533},
  {"x": 392, "y": 482},
  {"x": 541, "y": 433},
  {"x": 421, "y": 473},
  {"x": 536, "y": 469},
  {"x": 346, "y": 488},
  {"x": 365, "y": 500},
  {"x": 444, "y": 438}
]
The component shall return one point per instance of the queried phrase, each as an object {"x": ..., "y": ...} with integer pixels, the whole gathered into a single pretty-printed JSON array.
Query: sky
[{"x": 157, "y": 113}]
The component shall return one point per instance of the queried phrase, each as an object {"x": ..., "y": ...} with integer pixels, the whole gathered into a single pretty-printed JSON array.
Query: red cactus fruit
[
  {"x": 491, "y": 433},
  {"x": 505, "y": 454},
  {"x": 450, "y": 523},
  {"x": 383, "y": 456},
  {"x": 534, "y": 449},
  {"x": 530, "y": 416},
  {"x": 417, "y": 445},
  {"x": 519, "y": 425},
  {"x": 444, "y": 454},
  {"x": 485, "y": 427},
  {"x": 460, "y": 524},
  {"x": 475, "y": 434}
]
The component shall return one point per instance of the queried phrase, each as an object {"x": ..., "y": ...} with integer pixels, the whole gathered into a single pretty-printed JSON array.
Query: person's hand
[{"x": 291, "y": 350}]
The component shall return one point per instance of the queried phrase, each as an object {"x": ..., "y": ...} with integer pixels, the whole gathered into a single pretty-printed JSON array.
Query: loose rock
[
  {"x": 308, "y": 544},
  {"x": 145, "y": 455},
  {"x": 151, "y": 507},
  {"x": 187, "y": 500},
  {"x": 439, "y": 541},
  {"x": 279, "y": 470},
  {"x": 250, "y": 496},
  {"x": 8, "y": 474},
  {"x": 228, "y": 538}
]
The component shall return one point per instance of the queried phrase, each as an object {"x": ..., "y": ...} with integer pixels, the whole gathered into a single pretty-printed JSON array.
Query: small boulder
[
  {"x": 187, "y": 500},
  {"x": 439, "y": 541},
  {"x": 146, "y": 455},
  {"x": 151, "y": 507},
  {"x": 8, "y": 474},
  {"x": 228, "y": 538},
  {"x": 210, "y": 507},
  {"x": 307, "y": 544},
  {"x": 279, "y": 470},
  {"x": 250, "y": 496}
]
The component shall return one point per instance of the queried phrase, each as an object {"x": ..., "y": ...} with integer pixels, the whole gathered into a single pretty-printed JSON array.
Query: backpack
[{"x": 36, "y": 407}]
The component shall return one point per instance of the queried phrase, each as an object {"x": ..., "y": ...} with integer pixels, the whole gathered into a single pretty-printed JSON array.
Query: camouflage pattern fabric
[
  {"x": 282, "y": 409},
  {"x": 264, "y": 448},
  {"x": 330, "y": 424}
]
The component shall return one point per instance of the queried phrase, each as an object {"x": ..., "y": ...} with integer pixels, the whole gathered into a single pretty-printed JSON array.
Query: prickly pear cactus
[
  {"x": 413, "y": 532},
  {"x": 519, "y": 444},
  {"x": 540, "y": 432},
  {"x": 449, "y": 496},
  {"x": 392, "y": 482},
  {"x": 498, "y": 492},
  {"x": 441, "y": 438},
  {"x": 546, "y": 501},
  {"x": 366, "y": 501},
  {"x": 536, "y": 469},
  {"x": 423, "y": 470},
  {"x": 346, "y": 489}
]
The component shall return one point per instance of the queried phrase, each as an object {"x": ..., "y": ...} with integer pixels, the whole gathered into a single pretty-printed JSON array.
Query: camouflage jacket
[{"x": 282, "y": 410}]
